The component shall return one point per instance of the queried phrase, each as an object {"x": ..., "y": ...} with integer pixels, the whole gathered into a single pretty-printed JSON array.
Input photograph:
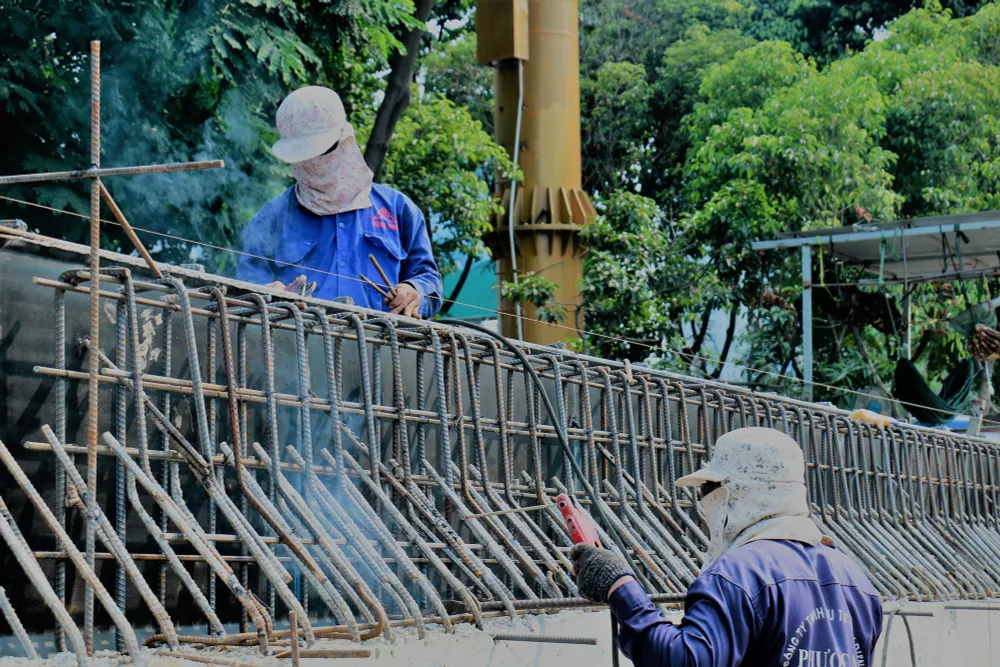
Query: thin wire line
[{"x": 619, "y": 339}]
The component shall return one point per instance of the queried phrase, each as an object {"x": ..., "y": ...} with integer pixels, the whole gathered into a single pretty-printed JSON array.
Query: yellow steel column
[{"x": 550, "y": 206}]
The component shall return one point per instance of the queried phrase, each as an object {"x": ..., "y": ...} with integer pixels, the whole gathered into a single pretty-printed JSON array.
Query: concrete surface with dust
[{"x": 946, "y": 636}]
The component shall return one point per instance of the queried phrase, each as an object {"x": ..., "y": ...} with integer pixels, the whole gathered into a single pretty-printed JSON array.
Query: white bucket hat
[
  {"x": 762, "y": 494},
  {"x": 310, "y": 121},
  {"x": 752, "y": 454}
]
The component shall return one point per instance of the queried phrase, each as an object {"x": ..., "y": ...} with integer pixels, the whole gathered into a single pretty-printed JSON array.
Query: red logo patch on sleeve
[{"x": 385, "y": 220}]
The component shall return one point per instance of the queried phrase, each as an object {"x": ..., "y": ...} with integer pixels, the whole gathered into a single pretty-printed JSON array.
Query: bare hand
[
  {"x": 407, "y": 301},
  {"x": 297, "y": 286}
]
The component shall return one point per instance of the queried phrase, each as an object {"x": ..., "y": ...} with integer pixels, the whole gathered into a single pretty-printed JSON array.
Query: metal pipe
[
  {"x": 807, "y": 321},
  {"x": 512, "y": 206}
]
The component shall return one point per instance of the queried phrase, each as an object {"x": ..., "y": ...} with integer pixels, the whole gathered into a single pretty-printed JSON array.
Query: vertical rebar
[
  {"x": 93, "y": 366},
  {"x": 121, "y": 429},
  {"x": 168, "y": 468},
  {"x": 213, "y": 437},
  {"x": 293, "y": 625},
  {"x": 60, "y": 490},
  {"x": 241, "y": 364}
]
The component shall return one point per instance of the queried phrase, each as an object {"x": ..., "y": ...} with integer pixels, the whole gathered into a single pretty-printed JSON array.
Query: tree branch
[
  {"x": 397, "y": 91},
  {"x": 925, "y": 339},
  {"x": 871, "y": 367},
  {"x": 699, "y": 337},
  {"x": 469, "y": 261},
  {"x": 730, "y": 334}
]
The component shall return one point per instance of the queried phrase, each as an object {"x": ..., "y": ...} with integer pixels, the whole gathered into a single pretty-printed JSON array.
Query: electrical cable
[
  {"x": 553, "y": 417},
  {"x": 513, "y": 193},
  {"x": 568, "y": 451},
  {"x": 619, "y": 339}
]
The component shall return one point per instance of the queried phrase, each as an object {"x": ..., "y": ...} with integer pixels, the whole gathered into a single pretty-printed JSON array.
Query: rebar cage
[{"x": 261, "y": 457}]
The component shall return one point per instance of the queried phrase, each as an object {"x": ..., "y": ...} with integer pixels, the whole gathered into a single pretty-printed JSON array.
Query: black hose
[{"x": 557, "y": 425}]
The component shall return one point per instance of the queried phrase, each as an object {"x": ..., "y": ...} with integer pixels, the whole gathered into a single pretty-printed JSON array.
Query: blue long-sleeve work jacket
[
  {"x": 769, "y": 602},
  {"x": 285, "y": 240}
]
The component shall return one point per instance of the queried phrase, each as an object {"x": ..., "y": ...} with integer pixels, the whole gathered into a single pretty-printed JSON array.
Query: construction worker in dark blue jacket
[
  {"x": 323, "y": 229},
  {"x": 771, "y": 592}
]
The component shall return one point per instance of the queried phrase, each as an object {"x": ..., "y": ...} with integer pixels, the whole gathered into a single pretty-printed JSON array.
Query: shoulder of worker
[
  {"x": 272, "y": 214},
  {"x": 761, "y": 564}
]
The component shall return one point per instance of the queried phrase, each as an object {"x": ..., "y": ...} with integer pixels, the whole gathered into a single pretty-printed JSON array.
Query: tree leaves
[
  {"x": 637, "y": 281},
  {"x": 182, "y": 80},
  {"x": 774, "y": 141}
]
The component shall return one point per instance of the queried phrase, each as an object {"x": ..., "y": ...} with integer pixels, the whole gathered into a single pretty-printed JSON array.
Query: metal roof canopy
[{"x": 916, "y": 250}]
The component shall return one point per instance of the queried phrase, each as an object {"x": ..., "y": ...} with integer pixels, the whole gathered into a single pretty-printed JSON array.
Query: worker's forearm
[
  {"x": 618, "y": 584},
  {"x": 644, "y": 635}
]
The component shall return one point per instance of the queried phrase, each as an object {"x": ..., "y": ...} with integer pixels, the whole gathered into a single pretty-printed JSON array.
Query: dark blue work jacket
[
  {"x": 769, "y": 602},
  {"x": 285, "y": 240}
]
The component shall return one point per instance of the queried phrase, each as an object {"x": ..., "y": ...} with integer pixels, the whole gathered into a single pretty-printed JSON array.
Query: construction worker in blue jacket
[
  {"x": 771, "y": 593},
  {"x": 322, "y": 229}
]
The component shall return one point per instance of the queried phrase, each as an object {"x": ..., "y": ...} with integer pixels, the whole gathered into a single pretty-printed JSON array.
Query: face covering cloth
[
  {"x": 337, "y": 182},
  {"x": 745, "y": 510}
]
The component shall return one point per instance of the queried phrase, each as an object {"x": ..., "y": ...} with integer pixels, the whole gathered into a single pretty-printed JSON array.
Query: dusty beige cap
[
  {"x": 752, "y": 454},
  {"x": 310, "y": 121}
]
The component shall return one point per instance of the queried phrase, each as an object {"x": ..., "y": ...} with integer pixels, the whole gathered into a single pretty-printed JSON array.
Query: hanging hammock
[{"x": 911, "y": 389}]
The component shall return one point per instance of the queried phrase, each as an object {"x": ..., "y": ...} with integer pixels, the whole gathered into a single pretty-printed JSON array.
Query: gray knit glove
[{"x": 597, "y": 570}]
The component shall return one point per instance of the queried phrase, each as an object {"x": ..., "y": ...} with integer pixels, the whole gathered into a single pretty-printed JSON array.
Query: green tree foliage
[
  {"x": 538, "y": 291},
  {"x": 640, "y": 61},
  {"x": 639, "y": 31},
  {"x": 776, "y": 136},
  {"x": 187, "y": 80},
  {"x": 827, "y": 29},
  {"x": 638, "y": 283},
  {"x": 907, "y": 127},
  {"x": 451, "y": 70},
  {"x": 614, "y": 139},
  {"x": 676, "y": 91}
]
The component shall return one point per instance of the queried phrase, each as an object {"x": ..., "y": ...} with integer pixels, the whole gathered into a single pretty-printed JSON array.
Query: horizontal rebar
[
  {"x": 328, "y": 653},
  {"x": 569, "y": 603},
  {"x": 543, "y": 639},
  {"x": 206, "y": 659},
  {"x": 111, "y": 171}
]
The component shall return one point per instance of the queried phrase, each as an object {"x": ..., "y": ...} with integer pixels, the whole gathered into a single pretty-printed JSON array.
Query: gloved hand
[{"x": 597, "y": 570}]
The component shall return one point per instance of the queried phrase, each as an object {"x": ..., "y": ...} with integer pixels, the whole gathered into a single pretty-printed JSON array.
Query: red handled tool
[
  {"x": 580, "y": 526},
  {"x": 583, "y": 531}
]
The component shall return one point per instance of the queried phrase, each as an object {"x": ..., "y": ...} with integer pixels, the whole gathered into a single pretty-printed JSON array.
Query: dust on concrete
[{"x": 465, "y": 646}]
